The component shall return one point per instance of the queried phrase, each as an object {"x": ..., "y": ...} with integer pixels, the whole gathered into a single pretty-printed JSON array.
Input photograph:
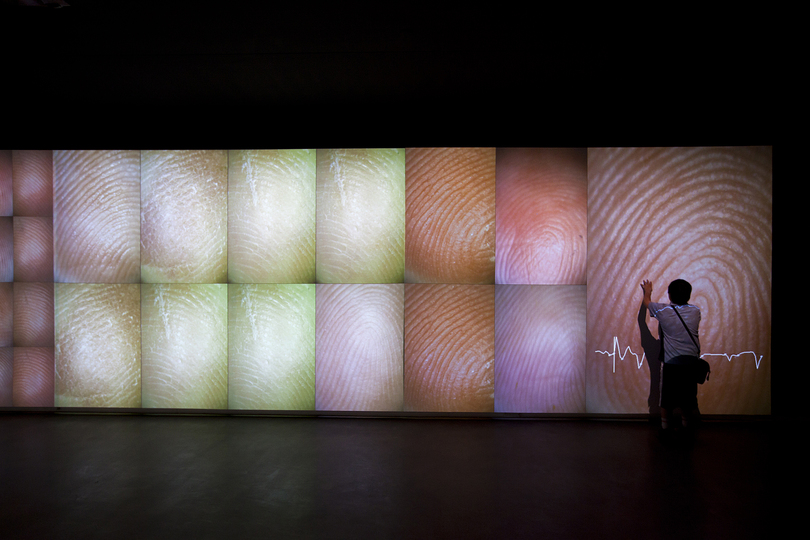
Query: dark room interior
[{"x": 152, "y": 75}]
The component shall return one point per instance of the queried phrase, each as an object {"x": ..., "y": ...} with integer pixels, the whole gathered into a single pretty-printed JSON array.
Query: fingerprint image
[
  {"x": 450, "y": 215},
  {"x": 184, "y": 216},
  {"x": 33, "y": 375},
  {"x": 271, "y": 216},
  {"x": 449, "y": 347},
  {"x": 358, "y": 363},
  {"x": 474, "y": 280},
  {"x": 540, "y": 348},
  {"x": 6, "y": 314},
  {"x": 97, "y": 224},
  {"x": 32, "y": 182},
  {"x": 184, "y": 330},
  {"x": 33, "y": 314},
  {"x": 542, "y": 216},
  {"x": 6, "y": 197},
  {"x": 271, "y": 347},
  {"x": 98, "y": 345},
  {"x": 6, "y": 376},
  {"x": 33, "y": 249},
  {"x": 6, "y": 249},
  {"x": 699, "y": 214},
  {"x": 361, "y": 216}
]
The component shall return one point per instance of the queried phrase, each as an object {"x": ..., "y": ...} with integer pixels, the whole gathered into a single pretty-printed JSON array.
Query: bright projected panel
[
  {"x": 472, "y": 280},
  {"x": 98, "y": 345},
  {"x": 542, "y": 221},
  {"x": 26, "y": 263},
  {"x": 271, "y": 346},
  {"x": 184, "y": 330},
  {"x": 700, "y": 214},
  {"x": 540, "y": 348},
  {"x": 449, "y": 347},
  {"x": 450, "y": 215},
  {"x": 97, "y": 221},
  {"x": 361, "y": 216},
  {"x": 271, "y": 216},
  {"x": 359, "y": 347},
  {"x": 184, "y": 217}
]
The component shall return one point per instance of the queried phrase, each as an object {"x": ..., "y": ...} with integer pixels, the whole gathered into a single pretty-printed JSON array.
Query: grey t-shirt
[{"x": 676, "y": 339}]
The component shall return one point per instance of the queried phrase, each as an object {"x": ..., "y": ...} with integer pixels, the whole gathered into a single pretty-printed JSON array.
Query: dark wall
[{"x": 203, "y": 73}]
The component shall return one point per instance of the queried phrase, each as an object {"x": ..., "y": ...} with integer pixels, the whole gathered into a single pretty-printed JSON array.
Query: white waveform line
[
  {"x": 640, "y": 361},
  {"x": 757, "y": 360},
  {"x": 615, "y": 353}
]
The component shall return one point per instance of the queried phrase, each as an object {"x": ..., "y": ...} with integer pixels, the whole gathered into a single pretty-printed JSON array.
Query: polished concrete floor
[{"x": 114, "y": 477}]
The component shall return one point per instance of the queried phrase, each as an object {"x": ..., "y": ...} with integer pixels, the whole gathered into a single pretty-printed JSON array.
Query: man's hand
[{"x": 646, "y": 286}]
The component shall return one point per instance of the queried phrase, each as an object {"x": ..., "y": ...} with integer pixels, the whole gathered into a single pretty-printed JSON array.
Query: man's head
[{"x": 679, "y": 291}]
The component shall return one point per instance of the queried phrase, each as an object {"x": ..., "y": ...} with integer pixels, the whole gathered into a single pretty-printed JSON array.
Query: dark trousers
[{"x": 678, "y": 387}]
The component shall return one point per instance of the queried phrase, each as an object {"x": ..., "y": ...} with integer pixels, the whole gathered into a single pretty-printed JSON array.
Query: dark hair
[{"x": 679, "y": 291}]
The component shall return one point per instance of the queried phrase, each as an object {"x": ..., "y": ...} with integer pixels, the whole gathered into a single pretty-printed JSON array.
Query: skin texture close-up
[
  {"x": 184, "y": 216},
  {"x": 542, "y": 216},
  {"x": 98, "y": 345},
  {"x": 32, "y": 181},
  {"x": 185, "y": 346},
  {"x": 33, "y": 384},
  {"x": 449, "y": 348},
  {"x": 6, "y": 249},
  {"x": 6, "y": 376},
  {"x": 271, "y": 216},
  {"x": 6, "y": 314},
  {"x": 540, "y": 348},
  {"x": 450, "y": 217},
  {"x": 699, "y": 214},
  {"x": 33, "y": 249},
  {"x": 361, "y": 216},
  {"x": 97, "y": 223},
  {"x": 33, "y": 315},
  {"x": 271, "y": 343},
  {"x": 358, "y": 347}
]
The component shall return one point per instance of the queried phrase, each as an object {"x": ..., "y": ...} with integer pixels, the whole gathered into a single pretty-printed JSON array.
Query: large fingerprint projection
[
  {"x": 488, "y": 281},
  {"x": 98, "y": 345},
  {"x": 271, "y": 216},
  {"x": 540, "y": 348},
  {"x": 542, "y": 216},
  {"x": 699, "y": 214},
  {"x": 360, "y": 216},
  {"x": 450, "y": 220},
  {"x": 449, "y": 348},
  {"x": 359, "y": 347},
  {"x": 185, "y": 346},
  {"x": 271, "y": 341},
  {"x": 97, "y": 224},
  {"x": 184, "y": 217}
]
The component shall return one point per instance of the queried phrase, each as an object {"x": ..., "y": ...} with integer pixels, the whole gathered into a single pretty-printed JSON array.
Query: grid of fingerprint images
[{"x": 447, "y": 280}]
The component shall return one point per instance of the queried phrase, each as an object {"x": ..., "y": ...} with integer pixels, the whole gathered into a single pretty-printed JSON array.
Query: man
[{"x": 678, "y": 324}]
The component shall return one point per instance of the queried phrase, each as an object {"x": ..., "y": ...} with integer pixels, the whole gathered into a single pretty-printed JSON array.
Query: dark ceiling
[{"x": 233, "y": 74}]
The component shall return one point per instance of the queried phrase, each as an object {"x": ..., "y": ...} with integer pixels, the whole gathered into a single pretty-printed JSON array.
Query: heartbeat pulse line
[{"x": 617, "y": 352}]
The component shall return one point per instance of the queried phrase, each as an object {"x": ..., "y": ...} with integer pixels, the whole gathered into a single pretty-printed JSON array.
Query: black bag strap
[{"x": 687, "y": 330}]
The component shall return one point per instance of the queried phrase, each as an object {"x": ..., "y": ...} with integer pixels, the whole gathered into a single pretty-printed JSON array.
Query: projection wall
[{"x": 475, "y": 280}]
